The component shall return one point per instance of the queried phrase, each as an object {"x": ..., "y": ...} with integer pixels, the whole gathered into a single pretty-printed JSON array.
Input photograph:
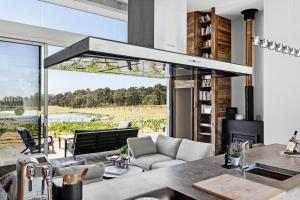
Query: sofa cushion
[
  {"x": 167, "y": 145},
  {"x": 190, "y": 150},
  {"x": 146, "y": 161},
  {"x": 141, "y": 146},
  {"x": 95, "y": 172},
  {"x": 167, "y": 164}
]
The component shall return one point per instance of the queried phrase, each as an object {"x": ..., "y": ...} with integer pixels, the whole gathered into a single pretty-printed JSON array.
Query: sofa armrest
[{"x": 191, "y": 150}]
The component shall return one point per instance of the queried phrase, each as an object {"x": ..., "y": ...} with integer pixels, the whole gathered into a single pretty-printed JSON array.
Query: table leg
[
  {"x": 65, "y": 147},
  {"x": 59, "y": 144}
]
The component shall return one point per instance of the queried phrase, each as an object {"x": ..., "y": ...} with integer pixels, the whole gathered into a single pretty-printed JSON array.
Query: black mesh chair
[{"x": 32, "y": 143}]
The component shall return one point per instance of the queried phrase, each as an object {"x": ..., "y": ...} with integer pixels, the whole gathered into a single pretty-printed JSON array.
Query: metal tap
[
  {"x": 30, "y": 172},
  {"x": 245, "y": 147},
  {"x": 46, "y": 173}
]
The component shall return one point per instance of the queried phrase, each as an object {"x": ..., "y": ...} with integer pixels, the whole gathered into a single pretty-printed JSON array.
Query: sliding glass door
[{"x": 20, "y": 93}]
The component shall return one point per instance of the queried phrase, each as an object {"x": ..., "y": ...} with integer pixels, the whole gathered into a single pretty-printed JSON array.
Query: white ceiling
[{"x": 227, "y": 8}]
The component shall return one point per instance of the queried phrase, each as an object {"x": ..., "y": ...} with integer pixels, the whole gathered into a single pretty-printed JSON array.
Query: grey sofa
[{"x": 166, "y": 151}]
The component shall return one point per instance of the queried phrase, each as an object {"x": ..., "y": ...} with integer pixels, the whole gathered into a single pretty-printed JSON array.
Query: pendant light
[{"x": 272, "y": 45}]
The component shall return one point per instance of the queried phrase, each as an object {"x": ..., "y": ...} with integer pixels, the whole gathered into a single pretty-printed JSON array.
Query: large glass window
[
  {"x": 38, "y": 13},
  {"x": 19, "y": 97}
]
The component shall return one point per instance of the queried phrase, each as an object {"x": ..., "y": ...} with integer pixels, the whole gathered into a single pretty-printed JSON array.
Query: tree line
[{"x": 156, "y": 95}]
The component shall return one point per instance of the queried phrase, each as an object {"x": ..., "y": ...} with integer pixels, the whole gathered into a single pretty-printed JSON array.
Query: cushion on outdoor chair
[
  {"x": 167, "y": 163},
  {"x": 141, "y": 146},
  {"x": 146, "y": 161},
  {"x": 167, "y": 145},
  {"x": 95, "y": 172},
  {"x": 190, "y": 150}
]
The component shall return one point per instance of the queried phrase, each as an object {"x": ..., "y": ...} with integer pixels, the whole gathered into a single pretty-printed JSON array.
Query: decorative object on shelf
[
  {"x": 205, "y": 18},
  {"x": 235, "y": 153},
  {"x": 239, "y": 117},
  {"x": 272, "y": 45},
  {"x": 258, "y": 118}
]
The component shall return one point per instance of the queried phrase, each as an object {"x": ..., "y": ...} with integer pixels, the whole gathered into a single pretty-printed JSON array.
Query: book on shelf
[
  {"x": 206, "y": 109},
  {"x": 206, "y": 77},
  {"x": 205, "y": 95},
  {"x": 206, "y": 43},
  {"x": 206, "y": 83},
  {"x": 206, "y": 30}
]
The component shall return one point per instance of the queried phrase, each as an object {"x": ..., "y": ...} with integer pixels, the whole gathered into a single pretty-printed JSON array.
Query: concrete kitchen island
[{"x": 182, "y": 177}]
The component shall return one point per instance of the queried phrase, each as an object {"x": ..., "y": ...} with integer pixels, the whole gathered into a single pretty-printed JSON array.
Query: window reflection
[{"x": 19, "y": 96}]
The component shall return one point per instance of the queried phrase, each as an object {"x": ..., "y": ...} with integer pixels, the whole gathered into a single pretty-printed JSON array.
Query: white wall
[
  {"x": 281, "y": 72},
  {"x": 239, "y": 56}
]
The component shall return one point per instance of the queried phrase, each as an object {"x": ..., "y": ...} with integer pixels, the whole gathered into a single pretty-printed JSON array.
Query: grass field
[
  {"x": 117, "y": 113},
  {"x": 146, "y": 118}
]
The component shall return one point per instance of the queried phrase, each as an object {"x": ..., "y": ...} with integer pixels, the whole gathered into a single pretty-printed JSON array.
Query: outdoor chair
[{"x": 32, "y": 143}]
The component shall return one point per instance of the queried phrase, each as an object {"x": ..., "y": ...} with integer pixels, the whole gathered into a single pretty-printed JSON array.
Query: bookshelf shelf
[
  {"x": 209, "y": 36},
  {"x": 206, "y": 22},
  {"x": 205, "y": 35},
  {"x": 206, "y": 48},
  {"x": 205, "y": 125},
  {"x": 205, "y": 133}
]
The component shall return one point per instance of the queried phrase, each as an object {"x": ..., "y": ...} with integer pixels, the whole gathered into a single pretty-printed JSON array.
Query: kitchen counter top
[{"x": 181, "y": 177}]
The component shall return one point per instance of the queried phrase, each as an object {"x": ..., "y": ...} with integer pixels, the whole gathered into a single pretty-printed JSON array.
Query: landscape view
[{"x": 144, "y": 107}]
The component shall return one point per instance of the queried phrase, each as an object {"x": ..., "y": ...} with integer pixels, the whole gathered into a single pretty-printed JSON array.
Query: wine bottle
[{"x": 292, "y": 142}]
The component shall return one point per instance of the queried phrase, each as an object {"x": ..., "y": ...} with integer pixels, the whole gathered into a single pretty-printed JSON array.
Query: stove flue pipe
[{"x": 249, "y": 16}]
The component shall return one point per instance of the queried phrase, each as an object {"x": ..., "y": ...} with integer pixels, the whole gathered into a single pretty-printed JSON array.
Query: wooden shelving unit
[{"x": 208, "y": 126}]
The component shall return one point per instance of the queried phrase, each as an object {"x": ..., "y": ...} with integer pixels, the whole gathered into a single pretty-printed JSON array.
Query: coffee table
[{"x": 132, "y": 170}]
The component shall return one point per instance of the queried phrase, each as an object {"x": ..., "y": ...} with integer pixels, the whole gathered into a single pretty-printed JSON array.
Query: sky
[{"x": 39, "y": 13}]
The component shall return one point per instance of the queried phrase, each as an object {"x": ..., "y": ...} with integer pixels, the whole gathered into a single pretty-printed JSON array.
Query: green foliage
[
  {"x": 235, "y": 150},
  {"x": 6, "y": 126},
  {"x": 19, "y": 111},
  {"x": 123, "y": 149},
  {"x": 57, "y": 128},
  {"x": 156, "y": 95},
  {"x": 70, "y": 127},
  {"x": 152, "y": 124}
]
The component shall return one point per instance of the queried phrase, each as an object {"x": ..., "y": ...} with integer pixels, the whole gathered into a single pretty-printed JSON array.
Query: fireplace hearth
[{"x": 239, "y": 131}]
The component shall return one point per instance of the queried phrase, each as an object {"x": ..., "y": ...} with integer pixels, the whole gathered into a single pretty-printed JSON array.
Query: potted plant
[
  {"x": 123, "y": 151},
  {"x": 235, "y": 153}
]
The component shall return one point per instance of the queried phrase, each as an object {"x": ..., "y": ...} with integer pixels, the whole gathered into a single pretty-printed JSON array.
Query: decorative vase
[
  {"x": 235, "y": 161},
  {"x": 239, "y": 117}
]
